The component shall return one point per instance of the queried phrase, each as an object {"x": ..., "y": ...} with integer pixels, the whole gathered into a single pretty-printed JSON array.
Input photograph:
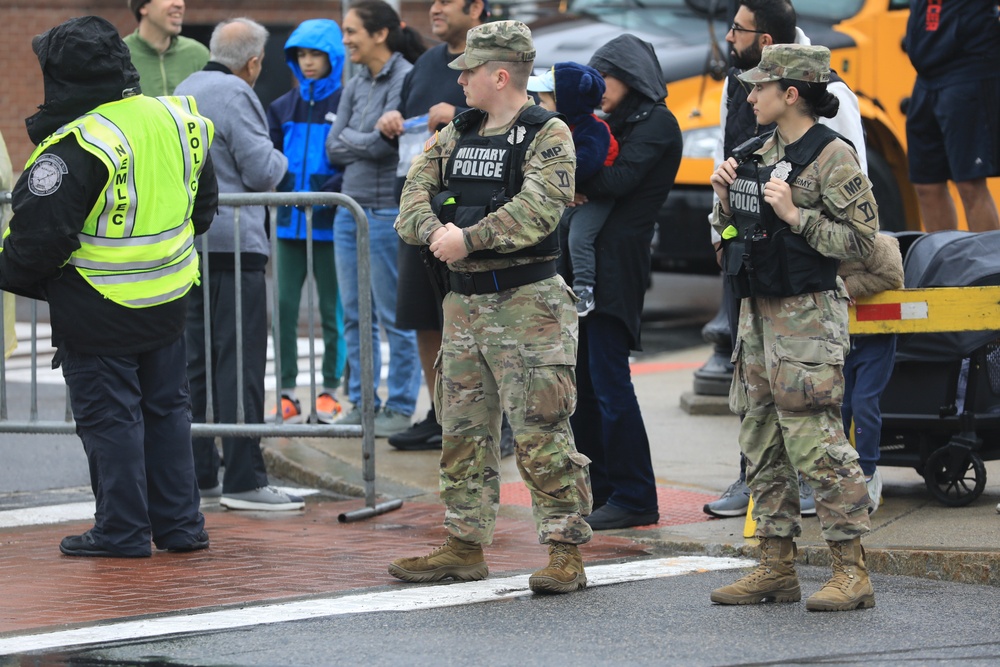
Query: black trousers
[
  {"x": 132, "y": 415},
  {"x": 245, "y": 469}
]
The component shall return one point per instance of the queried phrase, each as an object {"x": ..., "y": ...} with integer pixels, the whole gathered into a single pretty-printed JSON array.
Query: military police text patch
[{"x": 46, "y": 175}]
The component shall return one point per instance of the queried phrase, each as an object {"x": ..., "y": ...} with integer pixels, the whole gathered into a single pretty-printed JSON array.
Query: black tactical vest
[
  {"x": 766, "y": 258},
  {"x": 484, "y": 173}
]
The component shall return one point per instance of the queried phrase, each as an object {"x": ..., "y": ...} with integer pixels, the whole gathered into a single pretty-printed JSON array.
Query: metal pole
[
  {"x": 310, "y": 290},
  {"x": 238, "y": 298},
  {"x": 279, "y": 416}
]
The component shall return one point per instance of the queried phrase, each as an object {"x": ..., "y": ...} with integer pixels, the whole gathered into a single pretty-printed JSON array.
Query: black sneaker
[
  {"x": 85, "y": 545},
  {"x": 199, "y": 542},
  {"x": 423, "y": 435}
]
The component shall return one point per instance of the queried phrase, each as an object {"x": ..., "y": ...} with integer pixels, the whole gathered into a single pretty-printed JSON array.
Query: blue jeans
[
  {"x": 404, "y": 365},
  {"x": 866, "y": 373},
  {"x": 608, "y": 424}
]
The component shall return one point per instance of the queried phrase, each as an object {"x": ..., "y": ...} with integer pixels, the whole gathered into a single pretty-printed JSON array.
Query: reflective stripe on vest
[{"x": 137, "y": 244}]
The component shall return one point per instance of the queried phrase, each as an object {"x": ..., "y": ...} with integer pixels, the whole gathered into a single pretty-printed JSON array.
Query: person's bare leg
[
  {"x": 980, "y": 209},
  {"x": 937, "y": 208}
]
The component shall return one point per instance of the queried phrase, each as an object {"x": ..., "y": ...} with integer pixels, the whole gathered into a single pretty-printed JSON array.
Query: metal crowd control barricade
[{"x": 312, "y": 428}]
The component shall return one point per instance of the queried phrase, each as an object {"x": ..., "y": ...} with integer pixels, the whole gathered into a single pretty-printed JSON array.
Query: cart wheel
[{"x": 955, "y": 475}]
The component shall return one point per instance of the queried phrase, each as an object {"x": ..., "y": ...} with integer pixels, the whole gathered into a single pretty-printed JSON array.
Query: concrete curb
[{"x": 963, "y": 567}]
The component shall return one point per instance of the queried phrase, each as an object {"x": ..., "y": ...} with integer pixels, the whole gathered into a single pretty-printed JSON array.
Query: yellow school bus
[{"x": 866, "y": 41}]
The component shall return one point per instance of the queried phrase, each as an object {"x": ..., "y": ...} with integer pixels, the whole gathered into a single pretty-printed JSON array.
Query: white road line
[
  {"x": 48, "y": 514},
  {"x": 36, "y": 516},
  {"x": 407, "y": 598}
]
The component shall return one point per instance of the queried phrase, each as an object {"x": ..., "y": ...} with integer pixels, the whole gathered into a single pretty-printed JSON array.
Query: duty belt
[{"x": 490, "y": 282}]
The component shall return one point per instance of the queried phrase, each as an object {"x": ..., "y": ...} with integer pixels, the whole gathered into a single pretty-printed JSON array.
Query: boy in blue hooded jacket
[
  {"x": 299, "y": 122},
  {"x": 574, "y": 90}
]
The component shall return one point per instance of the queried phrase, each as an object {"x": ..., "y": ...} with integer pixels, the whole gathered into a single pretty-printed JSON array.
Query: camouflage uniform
[
  {"x": 514, "y": 350},
  {"x": 789, "y": 357}
]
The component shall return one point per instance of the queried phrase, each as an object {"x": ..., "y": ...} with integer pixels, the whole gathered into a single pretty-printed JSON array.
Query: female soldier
[{"x": 791, "y": 206}]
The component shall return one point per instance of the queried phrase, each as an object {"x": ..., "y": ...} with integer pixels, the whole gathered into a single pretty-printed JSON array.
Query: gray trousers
[{"x": 582, "y": 224}]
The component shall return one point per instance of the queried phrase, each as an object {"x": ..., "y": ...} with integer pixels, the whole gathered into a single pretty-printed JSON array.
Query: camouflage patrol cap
[
  {"x": 791, "y": 61},
  {"x": 505, "y": 41}
]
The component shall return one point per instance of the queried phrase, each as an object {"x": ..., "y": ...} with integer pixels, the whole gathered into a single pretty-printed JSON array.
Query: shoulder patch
[
  {"x": 46, "y": 175},
  {"x": 431, "y": 142},
  {"x": 850, "y": 182}
]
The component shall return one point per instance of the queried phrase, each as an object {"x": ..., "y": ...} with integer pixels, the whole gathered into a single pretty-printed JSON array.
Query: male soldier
[
  {"x": 428, "y": 90},
  {"x": 105, "y": 216},
  {"x": 757, "y": 24},
  {"x": 162, "y": 57},
  {"x": 246, "y": 161},
  {"x": 503, "y": 172}
]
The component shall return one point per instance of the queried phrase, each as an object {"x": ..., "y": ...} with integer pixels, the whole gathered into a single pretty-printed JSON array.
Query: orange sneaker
[
  {"x": 291, "y": 411},
  {"x": 327, "y": 408}
]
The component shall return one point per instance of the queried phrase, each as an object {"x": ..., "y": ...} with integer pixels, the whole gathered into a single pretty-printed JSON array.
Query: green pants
[{"x": 291, "y": 278}]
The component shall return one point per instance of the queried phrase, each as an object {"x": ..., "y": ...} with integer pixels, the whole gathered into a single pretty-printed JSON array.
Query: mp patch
[{"x": 46, "y": 175}]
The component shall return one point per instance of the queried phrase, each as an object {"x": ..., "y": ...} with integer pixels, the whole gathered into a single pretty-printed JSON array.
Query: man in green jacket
[{"x": 162, "y": 57}]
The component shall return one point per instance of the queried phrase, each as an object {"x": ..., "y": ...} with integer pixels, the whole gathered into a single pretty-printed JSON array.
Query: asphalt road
[{"x": 666, "y": 621}]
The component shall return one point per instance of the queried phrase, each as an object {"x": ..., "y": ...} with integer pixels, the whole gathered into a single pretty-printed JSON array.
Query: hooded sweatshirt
[
  {"x": 578, "y": 90},
  {"x": 650, "y": 145},
  {"x": 299, "y": 121}
]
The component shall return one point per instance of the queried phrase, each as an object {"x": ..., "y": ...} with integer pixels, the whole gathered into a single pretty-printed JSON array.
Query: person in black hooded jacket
[
  {"x": 608, "y": 423},
  {"x": 101, "y": 214}
]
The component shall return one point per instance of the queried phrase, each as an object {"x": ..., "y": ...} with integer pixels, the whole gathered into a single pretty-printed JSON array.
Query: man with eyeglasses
[{"x": 759, "y": 23}]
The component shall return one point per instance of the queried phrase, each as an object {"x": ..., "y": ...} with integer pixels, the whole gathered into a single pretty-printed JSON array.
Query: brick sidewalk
[{"x": 254, "y": 557}]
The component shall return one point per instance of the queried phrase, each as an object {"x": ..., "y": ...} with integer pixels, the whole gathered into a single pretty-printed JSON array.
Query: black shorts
[
  {"x": 953, "y": 131},
  {"x": 417, "y": 305}
]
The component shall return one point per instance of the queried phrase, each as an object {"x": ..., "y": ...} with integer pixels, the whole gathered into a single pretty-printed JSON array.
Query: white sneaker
[
  {"x": 264, "y": 498},
  {"x": 874, "y": 484}
]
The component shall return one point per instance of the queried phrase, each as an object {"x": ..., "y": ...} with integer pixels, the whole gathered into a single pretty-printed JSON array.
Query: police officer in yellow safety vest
[{"x": 105, "y": 216}]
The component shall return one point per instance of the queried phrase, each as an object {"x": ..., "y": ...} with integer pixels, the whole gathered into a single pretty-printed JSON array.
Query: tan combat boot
[
  {"x": 563, "y": 574},
  {"x": 849, "y": 588},
  {"x": 774, "y": 580},
  {"x": 455, "y": 559}
]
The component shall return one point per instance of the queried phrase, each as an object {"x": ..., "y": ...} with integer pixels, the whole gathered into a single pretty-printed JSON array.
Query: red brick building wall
[{"x": 20, "y": 20}]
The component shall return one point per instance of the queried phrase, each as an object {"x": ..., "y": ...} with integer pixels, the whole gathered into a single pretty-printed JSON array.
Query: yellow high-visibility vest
[{"x": 137, "y": 244}]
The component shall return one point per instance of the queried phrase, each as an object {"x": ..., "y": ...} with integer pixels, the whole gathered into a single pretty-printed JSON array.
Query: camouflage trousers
[
  {"x": 513, "y": 351},
  {"x": 789, "y": 384}
]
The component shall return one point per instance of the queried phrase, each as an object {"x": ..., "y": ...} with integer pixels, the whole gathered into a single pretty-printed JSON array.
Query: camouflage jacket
[
  {"x": 839, "y": 216},
  {"x": 532, "y": 215}
]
